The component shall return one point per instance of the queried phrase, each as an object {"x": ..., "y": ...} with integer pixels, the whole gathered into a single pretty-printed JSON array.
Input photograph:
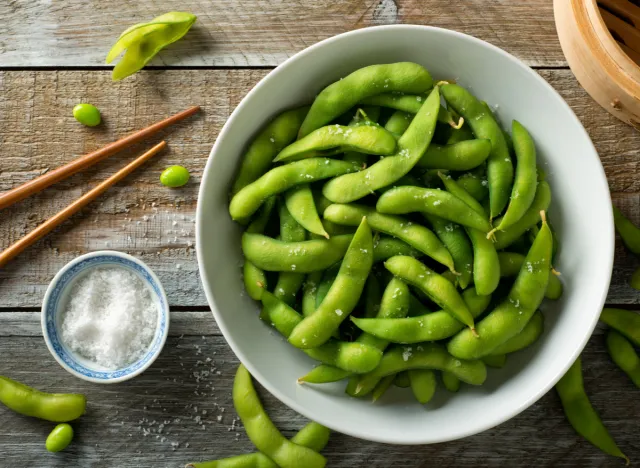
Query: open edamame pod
[
  {"x": 339, "y": 97},
  {"x": 581, "y": 414},
  {"x": 623, "y": 354},
  {"x": 461, "y": 156},
  {"x": 626, "y": 322},
  {"x": 343, "y": 296}
]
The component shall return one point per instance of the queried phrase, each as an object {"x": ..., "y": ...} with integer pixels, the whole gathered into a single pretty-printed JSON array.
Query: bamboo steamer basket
[{"x": 601, "y": 41}]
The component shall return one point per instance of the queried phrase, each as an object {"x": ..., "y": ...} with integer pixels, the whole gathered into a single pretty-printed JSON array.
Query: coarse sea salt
[{"x": 110, "y": 318}]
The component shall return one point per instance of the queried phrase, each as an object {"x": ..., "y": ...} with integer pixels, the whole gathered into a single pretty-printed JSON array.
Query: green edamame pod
[
  {"x": 433, "y": 326},
  {"x": 408, "y": 103},
  {"x": 301, "y": 257},
  {"x": 367, "y": 139},
  {"x": 461, "y": 156},
  {"x": 343, "y": 295},
  {"x": 416, "y": 308},
  {"x": 510, "y": 265},
  {"x": 457, "y": 243},
  {"x": 280, "y": 179},
  {"x": 367, "y": 116},
  {"x": 255, "y": 280},
  {"x": 423, "y": 384},
  {"x": 529, "y": 335},
  {"x": 328, "y": 278},
  {"x": 263, "y": 433},
  {"x": 623, "y": 354},
  {"x": 247, "y": 460},
  {"x": 624, "y": 321},
  {"x": 352, "y": 357},
  {"x": 401, "y": 380},
  {"x": 581, "y": 414},
  {"x": 439, "y": 290},
  {"x": 266, "y": 145},
  {"x": 464, "y": 133},
  {"x": 450, "y": 381},
  {"x": 372, "y": 296},
  {"x": 300, "y": 203},
  {"x": 399, "y": 122},
  {"x": 425, "y": 356},
  {"x": 511, "y": 315},
  {"x": 56, "y": 407},
  {"x": 382, "y": 387},
  {"x": 495, "y": 360},
  {"x": 541, "y": 202},
  {"x": 387, "y": 247},
  {"x": 339, "y": 97},
  {"x": 628, "y": 231},
  {"x": 484, "y": 126},
  {"x": 417, "y": 236},
  {"x": 313, "y": 435},
  {"x": 324, "y": 374},
  {"x": 634, "y": 281},
  {"x": 454, "y": 189},
  {"x": 60, "y": 438},
  {"x": 289, "y": 283},
  {"x": 309, "y": 291},
  {"x": 411, "y": 146},
  {"x": 475, "y": 183},
  {"x": 403, "y": 200}
]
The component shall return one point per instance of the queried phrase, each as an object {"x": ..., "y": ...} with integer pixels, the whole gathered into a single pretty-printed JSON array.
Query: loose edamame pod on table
[
  {"x": 266, "y": 145},
  {"x": 411, "y": 146},
  {"x": 142, "y": 41},
  {"x": 339, "y": 97},
  {"x": 87, "y": 114},
  {"x": 461, "y": 156},
  {"x": 623, "y": 354},
  {"x": 581, "y": 414},
  {"x": 263, "y": 433},
  {"x": 60, "y": 438},
  {"x": 343, "y": 296},
  {"x": 629, "y": 232},
  {"x": 484, "y": 126},
  {"x": 512, "y": 314},
  {"x": 624, "y": 321},
  {"x": 56, "y": 407}
]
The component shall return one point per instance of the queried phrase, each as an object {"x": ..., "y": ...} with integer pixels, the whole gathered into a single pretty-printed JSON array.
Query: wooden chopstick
[
  {"x": 39, "y": 183},
  {"x": 50, "y": 224}
]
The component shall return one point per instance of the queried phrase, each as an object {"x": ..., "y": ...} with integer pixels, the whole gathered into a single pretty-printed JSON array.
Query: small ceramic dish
[{"x": 57, "y": 296}]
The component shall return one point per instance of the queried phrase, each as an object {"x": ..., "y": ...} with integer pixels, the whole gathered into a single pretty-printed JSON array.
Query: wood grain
[{"x": 79, "y": 33}]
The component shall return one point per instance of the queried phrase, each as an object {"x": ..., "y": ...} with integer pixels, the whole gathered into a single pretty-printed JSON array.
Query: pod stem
[
  {"x": 474, "y": 332},
  {"x": 491, "y": 234},
  {"x": 458, "y": 125}
]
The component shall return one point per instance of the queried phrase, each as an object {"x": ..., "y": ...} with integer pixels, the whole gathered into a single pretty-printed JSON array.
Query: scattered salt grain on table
[{"x": 110, "y": 318}]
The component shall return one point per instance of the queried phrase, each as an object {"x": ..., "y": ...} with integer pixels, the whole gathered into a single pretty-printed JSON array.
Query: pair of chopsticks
[{"x": 36, "y": 185}]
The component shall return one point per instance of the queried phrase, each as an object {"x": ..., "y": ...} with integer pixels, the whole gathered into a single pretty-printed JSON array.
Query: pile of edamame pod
[{"x": 389, "y": 236}]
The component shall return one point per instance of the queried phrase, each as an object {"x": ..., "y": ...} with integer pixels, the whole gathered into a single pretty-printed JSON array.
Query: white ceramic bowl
[
  {"x": 580, "y": 213},
  {"x": 58, "y": 295}
]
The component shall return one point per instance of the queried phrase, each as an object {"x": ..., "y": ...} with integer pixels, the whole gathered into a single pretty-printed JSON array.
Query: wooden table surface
[{"x": 52, "y": 57}]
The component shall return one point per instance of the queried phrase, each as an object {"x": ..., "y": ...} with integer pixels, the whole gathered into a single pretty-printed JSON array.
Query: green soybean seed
[
  {"x": 450, "y": 381},
  {"x": 484, "y": 126},
  {"x": 529, "y": 335},
  {"x": 629, "y": 233},
  {"x": 439, "y": 290},
  {"x": 510, "y": 265},
  {"x": 457, "y": 243},
  {"x": 417, "y": 236},
  {"x": 300, "y": 257},
  {"x": 387, "y": 247},
  {"x": 367, "y": 139},
  {"x": 281, "y": 179},
  {"x": 624, "y": 321},
  {"x": 300, "y": 203},
  {"x": 266, "y": 145},
  {"x": 87, "y": 114},
  {"x": 352, "y": 357},
  {"x": 433, "y": 326},
  {"x": 425, "y": 356},
  {"x": 263, "y": 433},
  {"x": 339, "y": 97},
  {"x": 511, "y": 315},
  {"x": 411, "y": 146},
  {"x": 343, "y": 296},
  {"x": 581, "y": 414},
  {"x": 461, "y": 156},
  {"x": 623, "y": 354},
  {"x": 174, "y": 176},
  {"x": 60, "y": 438},
  {"x": 403, "y": 200},
  {"x": 423, "y": 384}
]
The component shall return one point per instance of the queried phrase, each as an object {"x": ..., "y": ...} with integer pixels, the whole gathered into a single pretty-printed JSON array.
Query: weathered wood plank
[
  {"x": 257, "y": 32},
  {"x": 139, "y": 215},
  {"x": 180, "y": 410}
]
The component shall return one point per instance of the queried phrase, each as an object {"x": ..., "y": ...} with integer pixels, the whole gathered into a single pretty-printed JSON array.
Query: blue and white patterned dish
[{"x": 56, "y": 297}]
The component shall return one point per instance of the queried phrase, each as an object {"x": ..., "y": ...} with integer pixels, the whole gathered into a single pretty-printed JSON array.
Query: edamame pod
[
  {"x": 433, "y": 326},
  {"x": 475, "y": 184},
  {"x": 343, "y": 295},
  {"x": 411, "y": 146},
  {"x": 581, "y": 414},
  {"x": 301, "y": 257},
  {"x": 313, "y": 435},
  {"x": 289, "y": 282},
  {"x": 408, "y": 103},
  {"x": 440, "y": 290},
  {"x": 450, "y": 381},
  {"x": 624, "y": 321},
  {"x": 387, "y": 247},
  {"x": 382, "y": 387},
  {"x": 255, "y": 280},
  {"x": 263, "y": 433},
  {"x": 629, "y": 233},
  {"x": 484, "y": 126},
  {"x": 461, "y": 156},
  {"x": 510, "y": 265},
  {"x": 402, "y": 200},
  {"x": 529, "y": 335},
  {"x": 300, "y": 203},
  {"x": 423, "y": 384},
  {"x": 280, "y": 179},
  {"x": 457, "y": 243},
  {"x": 399, "y": 122},
  {"x": 417, "y": 236},
  {"x": 623, "y": 354},
  {"x": 309, "y": 291},
  {"x": 426, "y": 356},
  {"x": 266, "y": 145},
  {"x": 367, "y": 139},
  {"x": 367, "y": 116},
  {"x": 401, "y": 380},
  {"x": 56, "y": 407},
  {"x": 510, "y": 316},
  {"x": 324, "y": 374},
  {"x": 339, "y": 97}
]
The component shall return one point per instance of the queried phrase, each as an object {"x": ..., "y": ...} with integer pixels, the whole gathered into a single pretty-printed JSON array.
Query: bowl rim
[
  {"x": 162, "y": 325},
  {"x": 487, "y": 423}
]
